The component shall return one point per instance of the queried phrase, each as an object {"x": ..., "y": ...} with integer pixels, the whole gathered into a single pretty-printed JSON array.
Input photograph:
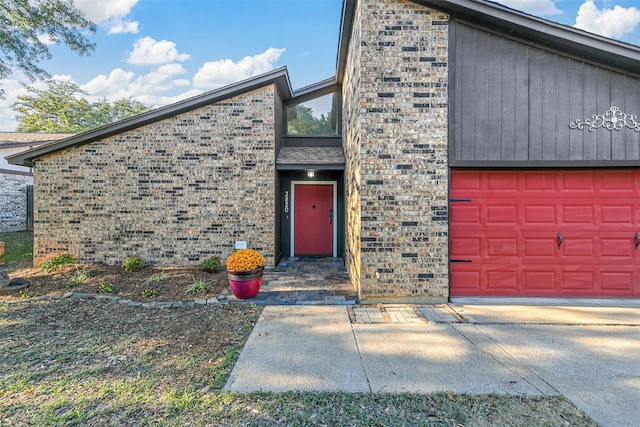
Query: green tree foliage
[
  {"x": 23, "y": 22},
  {"x": 58, "y": 110},
  {"x": 302, "y": 121}
]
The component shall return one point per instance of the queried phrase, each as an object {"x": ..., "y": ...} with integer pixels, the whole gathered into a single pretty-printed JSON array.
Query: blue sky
[{"x": 161, "y": 51}]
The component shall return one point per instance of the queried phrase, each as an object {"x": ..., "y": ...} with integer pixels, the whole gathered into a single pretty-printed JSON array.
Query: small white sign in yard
[{"x": 241, "y": 244}]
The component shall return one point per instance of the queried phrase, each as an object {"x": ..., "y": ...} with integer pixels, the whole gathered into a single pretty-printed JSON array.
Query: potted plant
[{"x": 244, "y": 269}]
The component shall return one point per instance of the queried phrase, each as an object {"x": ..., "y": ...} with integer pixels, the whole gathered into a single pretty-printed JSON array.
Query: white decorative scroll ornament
[{"x": 613, "y": 119}]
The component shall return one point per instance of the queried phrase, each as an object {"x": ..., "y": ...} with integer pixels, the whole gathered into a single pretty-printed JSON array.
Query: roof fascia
[
  {"x": 520, "y": 24},
  {"x": 313, "y": 91},
  {"x": 279, "y": 77},
  {"x": 346, "y": 25},
  {"x": 516, "y": 24}
]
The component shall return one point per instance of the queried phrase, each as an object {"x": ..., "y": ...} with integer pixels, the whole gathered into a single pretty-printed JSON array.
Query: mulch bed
[{"x": 173, "y": 285}]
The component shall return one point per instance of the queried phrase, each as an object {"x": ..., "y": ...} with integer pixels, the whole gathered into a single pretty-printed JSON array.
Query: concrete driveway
[{"x": 589, "y": 354}]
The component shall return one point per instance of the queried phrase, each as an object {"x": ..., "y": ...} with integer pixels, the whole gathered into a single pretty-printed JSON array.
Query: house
[
  {"x": 472, "y": 150},
  {"x": 15, "y": 180}
]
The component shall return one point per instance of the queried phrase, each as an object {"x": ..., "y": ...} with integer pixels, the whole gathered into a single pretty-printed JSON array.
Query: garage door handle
[
  {"x": 559, "y": 237},
  {"x": 636, "y": 236}
]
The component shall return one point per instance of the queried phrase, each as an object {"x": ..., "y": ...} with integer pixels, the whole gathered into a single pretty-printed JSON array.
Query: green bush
[
  {"x": 132, "y": 264},
  {"x": 56, "y": 263},
  {"x": 213, "y": 264},
  {"x": 198, "y": 287}
]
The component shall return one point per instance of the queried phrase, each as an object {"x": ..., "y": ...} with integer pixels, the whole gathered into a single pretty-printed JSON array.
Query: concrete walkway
[{"x": 591, "y": 355}]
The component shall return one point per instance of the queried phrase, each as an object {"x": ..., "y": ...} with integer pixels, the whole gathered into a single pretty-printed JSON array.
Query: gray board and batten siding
[{"x": 512, "y": 103}]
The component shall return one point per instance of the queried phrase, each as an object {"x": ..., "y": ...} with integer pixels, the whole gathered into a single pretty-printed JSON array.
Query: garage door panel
[
  {"x": 466, "y": 283},
  {"x": 466, "y": 247},
  {"x": 506, "y": 214},
  {"x": 583, "y": 214},
  {"x": 539, "y": 248},
  {"x": 578, "y": 278},
  {"x": 617, "y": 215},
  {"x": 504, "y": 247},
  {"x": 503, "y": 280},
  {"x": 578, "y": 249},
  {"x": 466, "y": 214},
  {"x": 508, "y": 230},
  {"x": 539, "y": 214},
  {"x": 616, "y": 281},
  {"x": 618, "y": 248},
  {"x": 618, "y": 183},
  {"x": 538, "y": 280},
  {"x": 577, "y": 182}
]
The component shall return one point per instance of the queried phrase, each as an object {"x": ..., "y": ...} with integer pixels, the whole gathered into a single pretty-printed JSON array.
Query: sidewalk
[{"x": 589, "y": 354}]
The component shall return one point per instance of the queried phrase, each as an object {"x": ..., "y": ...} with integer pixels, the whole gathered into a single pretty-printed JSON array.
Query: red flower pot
[{"x": 245, "y": 284}]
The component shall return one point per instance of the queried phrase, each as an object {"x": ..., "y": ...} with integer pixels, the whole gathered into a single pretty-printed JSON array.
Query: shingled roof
[{"x": 26, "y": 139}]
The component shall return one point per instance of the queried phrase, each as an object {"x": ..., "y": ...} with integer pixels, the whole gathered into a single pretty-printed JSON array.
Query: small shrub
[
  {"x": 56, "y": 263},
  {"x": 132, "y": 264},
  {"x": 105, "y": 288},
  {"x": 27, "y": 294},
  {"x": 148, "y": 293},
  {"x": 156, "y": 278},
  {"x": 76, "y": 278},
  {"x": 213, "y": 264},
  {"x": 197, "y": 287}
]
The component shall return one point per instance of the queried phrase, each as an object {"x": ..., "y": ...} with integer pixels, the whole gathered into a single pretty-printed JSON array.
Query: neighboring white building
[{"x": 14, "y": 180}]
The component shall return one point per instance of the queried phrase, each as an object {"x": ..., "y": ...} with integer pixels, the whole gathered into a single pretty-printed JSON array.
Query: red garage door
[{"x": 545, "y": 233}]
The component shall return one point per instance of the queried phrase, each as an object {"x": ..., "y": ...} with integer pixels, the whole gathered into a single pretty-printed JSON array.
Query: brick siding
[
  {"x": 13, "y": 201},
  {"x": 172, "y": 192},
  {"x": 395, "y": 92}
]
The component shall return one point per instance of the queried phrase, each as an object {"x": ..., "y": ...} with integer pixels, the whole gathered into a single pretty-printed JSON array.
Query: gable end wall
[{"x": 173, "y": 192}]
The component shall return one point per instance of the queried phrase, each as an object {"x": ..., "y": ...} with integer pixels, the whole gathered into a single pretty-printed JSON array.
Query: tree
[
  {"x": 58, "y": 110},
  {"x": 302, "y": 121},
  {"x": 24, "y": 22}
]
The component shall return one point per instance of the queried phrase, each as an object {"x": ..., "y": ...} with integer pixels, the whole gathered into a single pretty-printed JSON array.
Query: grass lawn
[
  {"x": 72, "y": 361},
  {"x": 17, "y": 246}
]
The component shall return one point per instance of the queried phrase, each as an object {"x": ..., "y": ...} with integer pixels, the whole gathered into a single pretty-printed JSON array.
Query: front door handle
[
  {"x": 636, "y": 237},
  {"x": 559, "y": 237}
]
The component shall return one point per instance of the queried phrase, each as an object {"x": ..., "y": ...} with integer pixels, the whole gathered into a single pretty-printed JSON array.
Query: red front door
[{"x": 313, "y": 220}]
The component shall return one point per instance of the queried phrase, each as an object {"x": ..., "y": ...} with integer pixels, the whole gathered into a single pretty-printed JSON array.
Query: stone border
[{"x": 151, "y": 304}]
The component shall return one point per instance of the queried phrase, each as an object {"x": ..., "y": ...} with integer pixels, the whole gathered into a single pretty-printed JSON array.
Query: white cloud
[
  {"x": 101, "y": 10},
  {"x": 147, "y": 51},
  {"x": 110, "y": 14},
  {"x": 120, "y": 26},
  {"x": 534, "y": 7},
  {"x": 105, "y": 85},
  {"x": 146, "y": 88},
  {"x": 614, "y": 22},
  {"x": 219, "y": 73}
]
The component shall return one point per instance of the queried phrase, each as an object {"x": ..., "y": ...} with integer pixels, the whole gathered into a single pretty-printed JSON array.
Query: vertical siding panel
[
  {"x": 576, "y": 110},
  {"x": 562, "y": 108},
  {"x": 508, "y": 92},
  {"x": 618, "y": 148},
  {"x": 603, "y": 103},
  {"x": 494, "y": 96},
  {"x": 632, "y": 106},
  {"x": 482, "y": 98},
  {"x": 590, "y": 108},
  {"x": 522, "y": 101},
  {"x": 549, "y": 91},
  {"x": 468, "y": 105},
  {"x": 535, "y": 105}
]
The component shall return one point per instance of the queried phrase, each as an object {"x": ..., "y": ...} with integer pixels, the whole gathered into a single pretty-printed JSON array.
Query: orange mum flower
[{"x": 245, "y": 259}]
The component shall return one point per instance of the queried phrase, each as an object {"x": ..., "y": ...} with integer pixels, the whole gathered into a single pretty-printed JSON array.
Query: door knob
[
  {"x": 559, "y": 237},
  {"x": 636, "y": 237}
]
